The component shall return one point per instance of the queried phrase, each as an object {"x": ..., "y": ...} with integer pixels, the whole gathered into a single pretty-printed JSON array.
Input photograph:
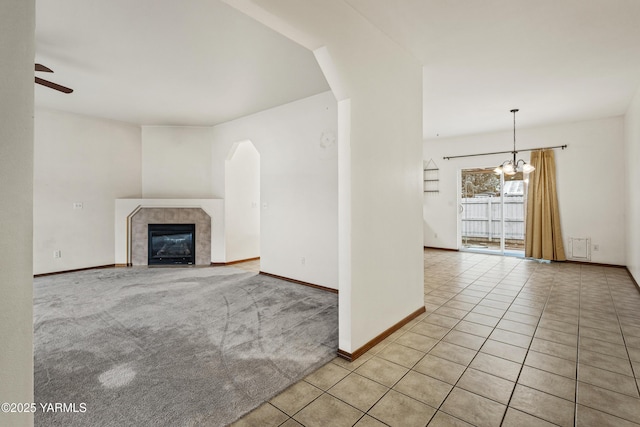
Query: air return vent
[{"x": 579, "y": 248}]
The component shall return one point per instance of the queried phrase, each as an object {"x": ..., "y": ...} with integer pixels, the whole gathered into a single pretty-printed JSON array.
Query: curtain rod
[{"x": 505, "y": 152}]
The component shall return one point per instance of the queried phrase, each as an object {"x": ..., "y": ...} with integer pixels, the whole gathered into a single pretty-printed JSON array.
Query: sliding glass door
[{"x": 491, "y": 212}]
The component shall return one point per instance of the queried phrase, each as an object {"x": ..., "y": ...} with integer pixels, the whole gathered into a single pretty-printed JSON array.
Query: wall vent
[{"x": 579, "y": 248}]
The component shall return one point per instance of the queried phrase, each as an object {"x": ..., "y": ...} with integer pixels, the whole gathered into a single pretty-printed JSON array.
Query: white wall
[
  {"x": 17, "y": 25},
  {"x": 298, "y": 181},
  {"x": 378, "y": 86},
  {"x": 298, "y": 186},
  {"x": 591, "y": 198},
  {"x": 79, "y": 159},
  {"x": 176, "y": 162},
  {"x": 242, "y": 202},
  {"x": 632, "y": 181}
]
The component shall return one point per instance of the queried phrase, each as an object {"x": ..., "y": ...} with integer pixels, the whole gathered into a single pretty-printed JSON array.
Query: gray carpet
[{"x": 173, "y": 346}]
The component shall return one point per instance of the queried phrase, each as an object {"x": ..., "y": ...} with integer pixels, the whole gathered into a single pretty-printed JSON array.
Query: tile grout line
[
  {"x": 550, "y": 291},
  {"x": 575, "y": 392},
  {"x": 478, "y": 351},
  {"x": 528, "y": 349},
  {"x": 451, "y": 329},
  {"x": 487, "y": 338},
  {"x": 628, "y": 358},
  {"x": 622, "y": 333},
  {"x": 626, "y": 349},
  {"x": 577, "y": 335},
  {"x": 459, "y": 321},
  {"x": 494, "y": 328}
]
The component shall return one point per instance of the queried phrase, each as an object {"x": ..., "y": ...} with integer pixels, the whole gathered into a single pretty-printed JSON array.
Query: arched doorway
[{"x": 242, "y": 202}]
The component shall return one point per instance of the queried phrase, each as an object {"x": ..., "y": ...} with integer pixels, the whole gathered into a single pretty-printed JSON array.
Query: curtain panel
[{"x": 543, "y": 238}]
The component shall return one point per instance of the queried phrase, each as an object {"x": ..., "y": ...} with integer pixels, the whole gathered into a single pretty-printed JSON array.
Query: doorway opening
[
  {"x": 242, "y": 202},
  {"x": 492, "y": 212}
]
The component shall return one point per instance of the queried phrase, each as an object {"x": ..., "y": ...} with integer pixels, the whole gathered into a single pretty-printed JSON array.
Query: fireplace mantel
[{"x": 126, "y": 208}]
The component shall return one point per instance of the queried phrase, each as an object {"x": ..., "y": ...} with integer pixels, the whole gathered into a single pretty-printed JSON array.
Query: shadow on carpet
[{"x": 173, "y": 346}]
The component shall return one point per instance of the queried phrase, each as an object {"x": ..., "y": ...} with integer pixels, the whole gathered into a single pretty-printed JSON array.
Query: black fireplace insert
[{"x": 172, "y": 244}]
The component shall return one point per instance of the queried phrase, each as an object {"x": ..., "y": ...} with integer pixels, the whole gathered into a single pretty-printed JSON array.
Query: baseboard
[
  {"x": 368, "y": 346},
  {"x": 633, "y": 279},
  {"x": 76, "y": 269},
  {"x": 222, "y": 264},
  {"x": 442, "y": 249},
  {"x": 570, "y": 261},
  {"x": 300, "y": 282},
  {"x": 595, "y": 264}
]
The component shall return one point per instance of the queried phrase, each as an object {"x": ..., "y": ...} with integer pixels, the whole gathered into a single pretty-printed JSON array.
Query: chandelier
[{"x": 511, "y": 167}]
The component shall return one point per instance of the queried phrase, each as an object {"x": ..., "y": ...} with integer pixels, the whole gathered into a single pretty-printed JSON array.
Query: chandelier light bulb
[{"x": 510, "y": 167}]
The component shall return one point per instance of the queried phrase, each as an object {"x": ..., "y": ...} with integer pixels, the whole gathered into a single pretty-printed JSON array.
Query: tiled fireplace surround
[{"x": 145, "y": 216}]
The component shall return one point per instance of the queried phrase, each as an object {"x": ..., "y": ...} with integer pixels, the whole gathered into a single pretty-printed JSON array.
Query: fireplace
[
  {"x": 172, "y": 244},
  {"x": 143, "y": 217}
]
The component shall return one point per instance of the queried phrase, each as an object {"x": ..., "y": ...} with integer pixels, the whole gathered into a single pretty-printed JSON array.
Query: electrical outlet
[
  {"x": 435, "y": 235},
  {"x": 77, "y": 205},
  {"x": 303, "y": 260},
  {"x": 57, "y": 253},
  {"x": 596, "y": 247}
]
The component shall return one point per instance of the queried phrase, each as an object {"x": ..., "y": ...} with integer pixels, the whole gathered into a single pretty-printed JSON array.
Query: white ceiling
[
  {"x": 167, "y": 62},
  {"x": 556, "y": 60},
  {"x": 201, "y": 62}
]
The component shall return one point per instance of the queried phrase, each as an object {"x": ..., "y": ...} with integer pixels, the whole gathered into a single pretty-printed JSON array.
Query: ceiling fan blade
[
  {"x": 52, "y": 85},
  {"x": 40, "y": 67}
]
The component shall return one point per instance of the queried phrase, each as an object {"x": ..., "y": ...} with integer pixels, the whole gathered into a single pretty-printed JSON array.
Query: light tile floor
[{"x": 504, "y": 341}]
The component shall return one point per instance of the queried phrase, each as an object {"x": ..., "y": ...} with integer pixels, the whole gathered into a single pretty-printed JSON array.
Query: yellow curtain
[{"x": 543, "y": 237}]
